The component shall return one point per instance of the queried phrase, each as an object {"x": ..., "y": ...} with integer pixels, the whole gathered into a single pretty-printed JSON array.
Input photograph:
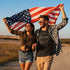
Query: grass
[{"x": 8, "y": 52}]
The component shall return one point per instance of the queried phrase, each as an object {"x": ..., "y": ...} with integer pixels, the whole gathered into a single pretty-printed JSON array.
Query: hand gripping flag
[{"x": 18, "y": 21}]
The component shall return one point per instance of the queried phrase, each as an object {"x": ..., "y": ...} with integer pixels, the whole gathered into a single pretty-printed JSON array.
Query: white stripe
[
  {"x": 53, "y": 16},
  {"x": 51, "y": 20},
  {"x": 16, "y": 24},
  {"x": 12, "y": 26},
  {"x": 56, "y": 12},
  {"x": 19, "y": 26},
  {"x": 36, "y": 10},
  {"x": 41, "y": 14}
]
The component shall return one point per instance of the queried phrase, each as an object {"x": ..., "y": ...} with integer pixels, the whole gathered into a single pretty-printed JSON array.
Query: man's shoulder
[
  {"x": 53, "y": 26},
  {"x": 37, "y": 31}
]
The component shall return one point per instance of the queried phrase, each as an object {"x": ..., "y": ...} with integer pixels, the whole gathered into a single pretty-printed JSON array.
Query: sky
[{"x": 11, "y": 7}]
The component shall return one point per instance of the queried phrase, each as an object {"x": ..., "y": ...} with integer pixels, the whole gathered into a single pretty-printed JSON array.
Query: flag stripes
[{"x": 32, "y": 15}]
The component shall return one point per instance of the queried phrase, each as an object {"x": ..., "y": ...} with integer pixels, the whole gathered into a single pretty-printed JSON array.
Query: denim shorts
[{"x": 25, "y": 56}]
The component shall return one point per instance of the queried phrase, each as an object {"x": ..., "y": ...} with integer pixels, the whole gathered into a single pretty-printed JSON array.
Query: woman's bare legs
[
  {"x": 28, "y": 65},
  {"x": 22, "y": 66}
]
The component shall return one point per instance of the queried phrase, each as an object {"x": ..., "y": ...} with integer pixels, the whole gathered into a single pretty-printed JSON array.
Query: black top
[{"x": 46, "y": 45}]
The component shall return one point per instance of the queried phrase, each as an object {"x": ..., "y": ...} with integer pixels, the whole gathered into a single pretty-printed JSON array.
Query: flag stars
[
  {"x": 20, "y": 18},
  {"x": 23, "y": 15},
  {"x": 27, "y": 13},
  {"x": 28, "y": 17},
  {"x": 28, "y": 20},
  {"x": 24, "y": 18},
  {"x": 10, "y": 24},
  {"x": 24, "y": 12}
]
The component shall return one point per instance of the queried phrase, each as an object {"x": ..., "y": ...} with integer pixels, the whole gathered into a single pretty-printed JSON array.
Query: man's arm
[{"x": 64, "y": 18}]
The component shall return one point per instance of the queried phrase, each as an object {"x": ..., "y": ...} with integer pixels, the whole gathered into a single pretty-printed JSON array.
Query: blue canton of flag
[{"x": 23, "y": 16}]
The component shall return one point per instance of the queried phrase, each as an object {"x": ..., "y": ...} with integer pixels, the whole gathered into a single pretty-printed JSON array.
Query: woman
[{"x": 28, "y": 44}]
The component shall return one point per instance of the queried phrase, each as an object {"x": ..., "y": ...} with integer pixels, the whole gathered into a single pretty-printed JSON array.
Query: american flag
[{"x": 18, "y": 21}]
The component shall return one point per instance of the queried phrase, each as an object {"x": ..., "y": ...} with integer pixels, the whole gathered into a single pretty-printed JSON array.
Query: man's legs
[
  {"x": 40, "y": 63},
  {"x": 44, "y": 63},
  {"x": 48, "y": 62}
]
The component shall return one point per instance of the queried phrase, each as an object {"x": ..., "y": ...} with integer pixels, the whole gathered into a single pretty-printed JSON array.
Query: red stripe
[
  {"x": 19, "y": 23},
  {"x": 54, "y": 19},
  {"x": 51, "y": 10},
  {"x": 51, "y": 17},
  {"x": 54, "y": 13},
  {"x": 57, "y": 9},
  {"x": 33, "y": 9},
  {"x": 34, "y": 20},
  {"x": 20, "y": 27},
  {"x": 16, "y": 24},
  {"x": 42, "y": 10}
]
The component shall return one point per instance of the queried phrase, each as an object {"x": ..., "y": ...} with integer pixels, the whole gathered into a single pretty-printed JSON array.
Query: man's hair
[{"x": 45, "y": 17}]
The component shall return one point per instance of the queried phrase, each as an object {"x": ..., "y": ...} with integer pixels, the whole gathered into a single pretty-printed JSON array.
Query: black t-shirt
[{"x": 46, "y": 45}]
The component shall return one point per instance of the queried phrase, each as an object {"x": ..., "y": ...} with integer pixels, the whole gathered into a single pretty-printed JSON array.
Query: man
[{"x": 48, "y": 42}]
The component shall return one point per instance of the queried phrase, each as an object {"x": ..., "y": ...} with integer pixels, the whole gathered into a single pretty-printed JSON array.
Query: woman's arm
[
  {"x": 5, "y": 21},
  {"x": 10, "y": 30},
  {"x": 64, "y": 18},
  {"x": 34, "y": 46}
]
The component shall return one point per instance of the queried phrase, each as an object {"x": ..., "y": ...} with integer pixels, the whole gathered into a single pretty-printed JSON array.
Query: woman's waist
[{"x": 23, "y": 48}]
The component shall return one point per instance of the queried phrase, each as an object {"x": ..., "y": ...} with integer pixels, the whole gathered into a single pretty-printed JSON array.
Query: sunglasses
[{"x": 41, "y": 22}]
